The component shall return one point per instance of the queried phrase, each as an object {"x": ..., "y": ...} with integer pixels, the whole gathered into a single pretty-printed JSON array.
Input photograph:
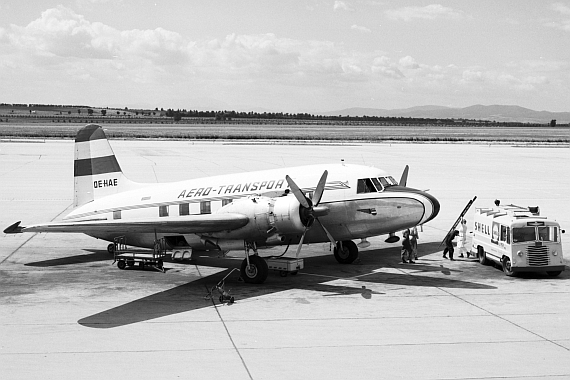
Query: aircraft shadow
[
  {"x": 320, "y": 274},
  {"x": 94, "y": 256}
]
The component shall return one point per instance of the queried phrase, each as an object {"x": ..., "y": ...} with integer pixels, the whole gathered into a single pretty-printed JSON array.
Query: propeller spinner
[{"x": 309, "y": 208}]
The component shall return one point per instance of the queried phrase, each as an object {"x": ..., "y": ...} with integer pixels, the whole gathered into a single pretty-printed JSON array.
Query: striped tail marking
[{"x": 96, "y": 170}]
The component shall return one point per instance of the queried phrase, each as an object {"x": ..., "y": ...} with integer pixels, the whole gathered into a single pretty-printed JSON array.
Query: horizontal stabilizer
[{"x": 14, "y": 229}]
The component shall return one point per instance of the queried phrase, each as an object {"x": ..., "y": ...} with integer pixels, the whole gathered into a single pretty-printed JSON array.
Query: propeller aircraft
[{"x": 334, "y": 203}]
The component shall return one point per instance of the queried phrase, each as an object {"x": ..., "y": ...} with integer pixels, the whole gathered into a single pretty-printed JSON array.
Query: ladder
[{"x": 467, "y": 207}]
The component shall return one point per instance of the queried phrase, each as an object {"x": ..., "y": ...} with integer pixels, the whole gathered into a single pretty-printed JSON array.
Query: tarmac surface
[{"x": 66, "y": 312}]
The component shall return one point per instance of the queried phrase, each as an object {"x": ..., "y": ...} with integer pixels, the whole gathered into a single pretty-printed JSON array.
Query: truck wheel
[
  {"x": 553, "y": 273},
  {"x": 346, "y": 252},
  {"x": 256, "y": 272},
  {"x": 507, "y": 267},
  {"x": 121, "y": 264},
  {"x": 482, "y": 256}
]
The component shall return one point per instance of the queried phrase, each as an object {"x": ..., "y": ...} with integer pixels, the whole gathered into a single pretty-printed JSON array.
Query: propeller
[{"x": 310, "y": 209}]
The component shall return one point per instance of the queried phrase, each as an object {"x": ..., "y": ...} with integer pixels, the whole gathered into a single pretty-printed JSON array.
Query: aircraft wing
[{"x": 187, "y": 224}]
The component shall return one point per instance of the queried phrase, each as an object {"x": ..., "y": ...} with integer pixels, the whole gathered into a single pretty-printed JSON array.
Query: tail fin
[{"x": 96, "y": 170}]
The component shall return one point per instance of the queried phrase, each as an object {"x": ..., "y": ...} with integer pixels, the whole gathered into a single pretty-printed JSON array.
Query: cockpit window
[
  {"x": 384, "y": 182},
  {"x": 378, "y": 185},
  {"x": 373, "y": 185},
  {"x": 392, "y": 181},
  {"x": 365, "y": 185}
]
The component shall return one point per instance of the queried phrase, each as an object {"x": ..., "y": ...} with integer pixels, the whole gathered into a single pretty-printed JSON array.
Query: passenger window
[
  {"x": 162, "y": 211},
  {"x": 226, "y": 202},
  {"x": 205, "y": 207},
  {"x": 184, "y": 209},
  {"x": 117, "y": 214}
]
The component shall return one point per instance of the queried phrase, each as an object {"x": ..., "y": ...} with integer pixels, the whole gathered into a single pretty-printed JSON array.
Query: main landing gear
[
  {"x": 345, "y": 252},
  {"x": 254, "y": 269}
]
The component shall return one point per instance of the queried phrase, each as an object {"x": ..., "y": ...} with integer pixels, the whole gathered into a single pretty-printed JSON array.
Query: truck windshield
[
  {"x": 547, "y": 233},
  {"x": 523, "y": 234}
]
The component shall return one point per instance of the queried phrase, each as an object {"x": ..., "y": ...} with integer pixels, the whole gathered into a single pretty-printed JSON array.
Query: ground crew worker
[
  {"x": 462, "y": 239},
  {"x": 406, "y": 247},
  {"x": 414, "y": 236},
  {"x": 449, "y": 244}
]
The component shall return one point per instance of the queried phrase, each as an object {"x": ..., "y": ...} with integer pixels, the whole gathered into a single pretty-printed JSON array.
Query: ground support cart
[
  {"x": 285, "y": 265},
  {"x": 125, "y": 257}
]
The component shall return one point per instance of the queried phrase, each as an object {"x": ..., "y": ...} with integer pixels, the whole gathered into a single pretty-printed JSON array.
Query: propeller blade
[
  {"x": 320, "y": 188},
  {"x": 404, "y": 178},
  {"x": 301, "y": 243},
  {"x": 331, "y": 238},
  {"x": 297, "y": 192}
]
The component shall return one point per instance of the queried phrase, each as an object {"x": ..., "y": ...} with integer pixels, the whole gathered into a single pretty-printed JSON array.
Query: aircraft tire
[
  {"x": 257, "y": 271},
  {"x": 111, "y": 248},
  {"x": 347, "y": 254}
]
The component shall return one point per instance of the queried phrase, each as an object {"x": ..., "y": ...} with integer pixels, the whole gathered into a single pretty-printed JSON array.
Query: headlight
[{"x": 519, "y": 253}]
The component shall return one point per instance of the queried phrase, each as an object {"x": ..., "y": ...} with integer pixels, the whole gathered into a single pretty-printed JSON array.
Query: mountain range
[{"x": 499, "y": 113}]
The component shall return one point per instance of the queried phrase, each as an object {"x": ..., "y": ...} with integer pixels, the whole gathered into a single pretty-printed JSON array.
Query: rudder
[{"x": 96, "y": 170}]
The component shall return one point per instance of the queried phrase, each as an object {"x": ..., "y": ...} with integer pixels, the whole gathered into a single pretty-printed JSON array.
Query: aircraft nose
[{"x": 431, "y": 207}]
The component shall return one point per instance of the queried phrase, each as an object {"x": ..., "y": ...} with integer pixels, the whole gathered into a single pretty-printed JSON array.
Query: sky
[{"x": 286, "y": 56}]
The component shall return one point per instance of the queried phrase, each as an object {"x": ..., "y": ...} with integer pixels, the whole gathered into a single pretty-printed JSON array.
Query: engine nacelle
[
  {"x": 286, "y": 216},
  {"x": 267, "y": 217}
]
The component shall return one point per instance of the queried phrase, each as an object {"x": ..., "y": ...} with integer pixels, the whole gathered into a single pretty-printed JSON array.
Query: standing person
[
  {"x": 462, "y": 240},
  {"x": 414, "y": 236},
  {"x": 449, "y": 244},
  {"x": 406, "y": 247}
]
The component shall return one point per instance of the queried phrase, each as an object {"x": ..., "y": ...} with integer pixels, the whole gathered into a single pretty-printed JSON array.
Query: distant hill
[{"x": 498, "y": 113}]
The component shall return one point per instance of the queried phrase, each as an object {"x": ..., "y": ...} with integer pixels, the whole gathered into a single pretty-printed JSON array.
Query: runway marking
[
  {"x": 225, "y": 326},
  {"x": 502, "y": 318},
  {"x": 31, "y": 237}
]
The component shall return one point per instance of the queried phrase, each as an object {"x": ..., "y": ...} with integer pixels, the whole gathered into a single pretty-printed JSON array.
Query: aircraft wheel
[
  {"x": 121, "y": 264},
  {"x": 482, "y": 256},
  {"x": 111, "y": 248},
  {"x": 346, "y": 252},
  {"x": 256, "y": 272},
  {"x": 507, "y": 267},
  {"x": 553, "y": 273}
]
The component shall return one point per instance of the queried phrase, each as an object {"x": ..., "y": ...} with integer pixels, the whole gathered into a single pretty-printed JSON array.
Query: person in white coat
[{"x": 462, "y": 239}]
